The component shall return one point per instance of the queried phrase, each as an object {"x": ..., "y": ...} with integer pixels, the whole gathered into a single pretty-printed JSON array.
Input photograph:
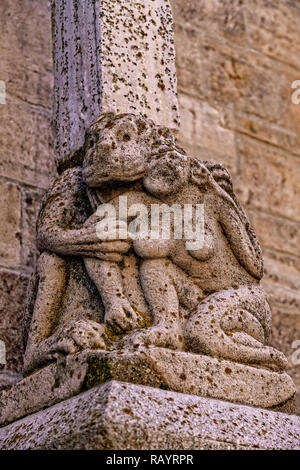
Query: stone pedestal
[
  {"x": 9, "y": 378},
  {"x": 156, "y": 367},
  {"x": 119, "y": 415},
  {"x": 111, "y": 56}
]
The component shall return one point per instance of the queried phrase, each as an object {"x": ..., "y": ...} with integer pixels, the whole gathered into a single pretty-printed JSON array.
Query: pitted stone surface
[
  {"x": 157, "y": 367},
  {"x": 111, "y": 56},
  {"x": 126, "y": 416}
]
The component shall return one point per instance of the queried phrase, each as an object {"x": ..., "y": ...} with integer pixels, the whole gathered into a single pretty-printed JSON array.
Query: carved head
[
  {"x": 118, "y": 147},
  {"x": 168, "y": 172}
]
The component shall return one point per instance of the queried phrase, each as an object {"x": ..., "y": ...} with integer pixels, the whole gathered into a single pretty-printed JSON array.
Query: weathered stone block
[
  {"x": 13, "y": 289},
  {"x": 9, "y": 378},
  {"x": 273, "y": 29},
  {"x": 26, "y": 33},
  {"x": 187, "y": 113},
  {"x": 24, "y": 144},
  {"x": 10, "y": 223},
  {"x": 225, "y": 17},
  {"x": 189, "y": 66},
  {"x": 285, "y": 331},
  {"x": 282, "y": 280},
  {"x": 268, "y": 133},
  {"x": 31, "y": 202},
  {"x": 162, "y": 368},
  {"x": 270, "y": 180},
  {"x": 126, "y": 416},
  {"x": 290, "y": 114},
  {"x": 277, "y": 233},
  {"x": 206, "y": 131},
  {"x": 26, "y": 79},
  {"x": 211, "y": 132},
  {"x": 111, "y": 57}
]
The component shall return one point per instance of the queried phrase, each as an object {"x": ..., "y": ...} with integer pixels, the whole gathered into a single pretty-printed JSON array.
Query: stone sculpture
[
  {"x": 150, "y": 341},
  {"x": 89, "y": 293}
]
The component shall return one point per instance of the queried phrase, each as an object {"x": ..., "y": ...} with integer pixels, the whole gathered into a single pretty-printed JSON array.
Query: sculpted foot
[
  {"x": 259, "y": 353},
  {"x": 274, "y": 359},
  {"x": 87, "y": 334},
  {"x": 121, "y": 315},
  {"x": 159, "y": 336},
  {"x": 40, "y": 354}
]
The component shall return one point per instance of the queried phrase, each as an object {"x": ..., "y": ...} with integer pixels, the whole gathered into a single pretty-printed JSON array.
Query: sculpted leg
[
  {"x": 160, "y": 293},
  {"x": 108, "y": 280},
  {"x": 52, "y": 273},
  {"x": 46, "y": 339},
  {"x": 234, "y": 324}
]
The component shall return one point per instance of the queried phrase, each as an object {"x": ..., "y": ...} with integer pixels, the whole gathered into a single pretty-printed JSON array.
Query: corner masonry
[{"x": 119, "y": 415}]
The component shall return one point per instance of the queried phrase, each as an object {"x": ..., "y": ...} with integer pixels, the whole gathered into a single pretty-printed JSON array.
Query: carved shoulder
[{"x": 65, "y": 205}]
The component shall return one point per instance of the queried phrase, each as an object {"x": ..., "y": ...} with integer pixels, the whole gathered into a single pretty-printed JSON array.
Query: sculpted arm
[
  {"x": 60, "y": 223},
  {"x": 232, "y": 219}
]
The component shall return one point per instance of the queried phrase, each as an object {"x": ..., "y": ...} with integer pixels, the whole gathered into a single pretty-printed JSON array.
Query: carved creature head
[
  {"x": 168, "y": 172},
  {"x": 118, "y": 147}
]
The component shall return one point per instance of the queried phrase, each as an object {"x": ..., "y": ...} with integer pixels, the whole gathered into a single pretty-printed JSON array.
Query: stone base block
[
  {"x": 157, "y": 367},
  {"x": 119, "y": 415}
]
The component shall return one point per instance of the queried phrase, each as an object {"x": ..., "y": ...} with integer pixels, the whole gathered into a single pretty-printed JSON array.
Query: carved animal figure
[{"x": 64, "y": 311}]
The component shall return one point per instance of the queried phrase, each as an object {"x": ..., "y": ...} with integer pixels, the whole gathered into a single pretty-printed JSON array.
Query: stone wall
[{"x": 236, "y": 61}]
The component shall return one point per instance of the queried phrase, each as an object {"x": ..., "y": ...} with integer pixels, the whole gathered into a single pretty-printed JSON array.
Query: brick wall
[
  {"x": 236, "y": 61},
  {"x": 26, "y": 163}
]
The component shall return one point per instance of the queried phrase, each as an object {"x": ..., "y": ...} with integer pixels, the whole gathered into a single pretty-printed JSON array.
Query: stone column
[{"x": 111, "y": 55}]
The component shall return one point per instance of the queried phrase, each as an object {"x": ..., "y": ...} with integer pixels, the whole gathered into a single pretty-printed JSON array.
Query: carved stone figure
[{"x": 89, "y": 293}]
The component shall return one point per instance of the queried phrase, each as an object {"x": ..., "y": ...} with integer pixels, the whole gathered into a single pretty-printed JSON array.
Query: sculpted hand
[{"x": 107, "y": 240}]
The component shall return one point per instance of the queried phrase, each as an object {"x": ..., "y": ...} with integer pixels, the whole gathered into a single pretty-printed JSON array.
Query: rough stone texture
[
  {"x": 26, "y": 160},
  {"x": 9, "y": 378},
  {"x": 204, "y": 299},
  {"x": 161, "y": 368},
  {"x": 26, "y": 64},
  {"x": 124, "y": 416},
  {"x": 111, "y": 56},
  {"x": 13, "y": 291},
  {"x": 285, "y": 323},
  {"x": 273, "y": 191},
  {"x": 206, "y": 129},
  {"x": 10, "y": 226},
  {"x": 31, "y": 203},
  {"x": 221, "y": 17},
  {"x": 273, "y": 29}
]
